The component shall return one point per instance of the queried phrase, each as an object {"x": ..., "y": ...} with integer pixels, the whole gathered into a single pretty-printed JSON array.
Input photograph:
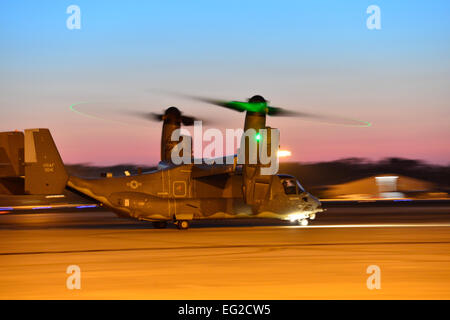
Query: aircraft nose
[{"x": 315, "y": 203}]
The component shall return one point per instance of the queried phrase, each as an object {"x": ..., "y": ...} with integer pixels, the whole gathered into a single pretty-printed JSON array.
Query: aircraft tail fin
[
  {"x": 44, "y": 170},
  {"x": 11, "y": 154}
]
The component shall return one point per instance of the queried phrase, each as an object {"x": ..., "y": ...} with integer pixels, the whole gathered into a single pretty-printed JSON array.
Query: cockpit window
[
  {"x": 300, "y": 188},
  {"x": 290, "y": 186}
]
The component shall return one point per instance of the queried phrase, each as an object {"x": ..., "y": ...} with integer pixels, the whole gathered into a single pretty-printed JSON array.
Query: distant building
[{"x": 381, "y": 186}]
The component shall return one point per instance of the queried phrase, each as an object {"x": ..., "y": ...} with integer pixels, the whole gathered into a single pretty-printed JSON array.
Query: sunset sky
[{"x": 311, "y": 56}]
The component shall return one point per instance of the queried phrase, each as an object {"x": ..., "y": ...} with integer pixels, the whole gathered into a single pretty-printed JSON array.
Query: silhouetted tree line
[
  {"x": 89, "y": 171},
  {"x": 315, "y": 175}
]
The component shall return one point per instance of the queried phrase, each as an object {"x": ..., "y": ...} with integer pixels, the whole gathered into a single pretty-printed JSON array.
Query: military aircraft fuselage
[{"x": 175, "y": 193}]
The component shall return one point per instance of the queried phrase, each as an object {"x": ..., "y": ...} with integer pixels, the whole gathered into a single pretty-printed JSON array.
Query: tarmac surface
[{"x": 232, "y": 259}]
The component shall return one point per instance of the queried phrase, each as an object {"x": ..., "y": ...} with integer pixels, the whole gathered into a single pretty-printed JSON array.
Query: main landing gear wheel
[
  {"x": 303, "y": 222},
  {"x": 183, "y": 224},
  {"x": 159, "y": 224}
]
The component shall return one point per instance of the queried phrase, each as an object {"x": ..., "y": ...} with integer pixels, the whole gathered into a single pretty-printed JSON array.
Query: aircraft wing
[
  {"x": 227, "y": 165},
  {"x": 204, "y": 170}
]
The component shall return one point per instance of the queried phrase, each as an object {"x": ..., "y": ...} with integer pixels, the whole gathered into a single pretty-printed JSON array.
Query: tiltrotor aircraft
[{"x": 180, "y": 193}]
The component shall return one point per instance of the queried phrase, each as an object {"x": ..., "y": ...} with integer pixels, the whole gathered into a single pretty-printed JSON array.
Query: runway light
[
  {"x": 283, "y": 153},
  {"x": 386, "y": 177},
  {"x": 55, "y": 196},
  {"x": 87, "y": 206},
  {"x": 6, "y": 208}
]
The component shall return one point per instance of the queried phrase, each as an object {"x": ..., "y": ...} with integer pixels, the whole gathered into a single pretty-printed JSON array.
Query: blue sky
[{"x": 315, "y": 56}]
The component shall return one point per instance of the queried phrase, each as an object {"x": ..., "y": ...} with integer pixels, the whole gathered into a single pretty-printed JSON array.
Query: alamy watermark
[
  {"x": 74, "y": 20},
  {"x": 374, "y": 280},
  {"x": 262, "y": 146},
  {"x": 74, "y": 279},
  {"x": 373, "y": 22}
]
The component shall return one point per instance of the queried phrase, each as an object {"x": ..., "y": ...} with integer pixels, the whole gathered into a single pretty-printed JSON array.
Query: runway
[{"x": 234, "y": 259}]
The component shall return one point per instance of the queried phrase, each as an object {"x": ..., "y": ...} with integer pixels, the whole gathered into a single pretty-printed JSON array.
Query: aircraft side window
[{"x": 290, "y": 186}]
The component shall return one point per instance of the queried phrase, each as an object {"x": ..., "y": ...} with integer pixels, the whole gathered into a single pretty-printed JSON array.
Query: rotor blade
[
  {"x": 275, "y": 111},
  {"x": 238, "y": 106},
  {"x": 145, "y": 115},
  {"x": 330, "y": 119},
  {"x": 154, "y": 116},
  {"x": 188, "y": 121},
  {"x": 234, "y": 105},
  {"x": 185, "y": 120},
  {"x": 280, "y": 112}
]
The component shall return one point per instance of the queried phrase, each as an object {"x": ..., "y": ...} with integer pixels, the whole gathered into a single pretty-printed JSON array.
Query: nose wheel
[{"x": 182, "y": 224}]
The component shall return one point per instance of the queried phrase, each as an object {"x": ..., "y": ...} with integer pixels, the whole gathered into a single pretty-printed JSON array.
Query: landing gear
[
  {"x": 303, "y": 222},
  {"x": 159, "y": 224},
  {"x": 312, "y": 216},
  {"x": 182, "y": 224}
]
